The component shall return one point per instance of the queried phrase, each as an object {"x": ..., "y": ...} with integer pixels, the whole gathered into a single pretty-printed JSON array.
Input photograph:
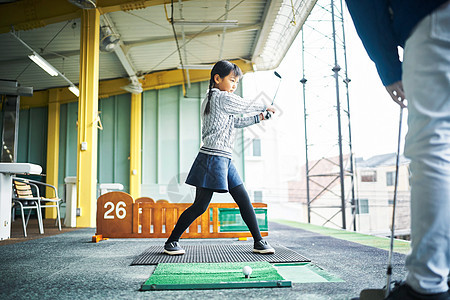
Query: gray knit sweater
[{"x": 218, "y": 128}]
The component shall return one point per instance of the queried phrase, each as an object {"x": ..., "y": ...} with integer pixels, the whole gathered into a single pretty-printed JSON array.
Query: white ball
[{"x": 247, "y": 270}]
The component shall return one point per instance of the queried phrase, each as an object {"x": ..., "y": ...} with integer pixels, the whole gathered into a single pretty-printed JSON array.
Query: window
[
  {"x": 256, "y": 147},
  {"x": 369, "y": 176},
  {"x": 257, "y": 196},
  {"x": 362, "y": 206},
  {"x": 390, "y": 178}
]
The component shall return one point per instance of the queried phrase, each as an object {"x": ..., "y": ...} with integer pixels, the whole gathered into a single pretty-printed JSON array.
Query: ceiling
[{"x": 148, "y": 42}]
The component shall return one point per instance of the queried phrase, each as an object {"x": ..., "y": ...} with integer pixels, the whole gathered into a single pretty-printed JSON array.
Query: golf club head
[
  {"x": 279, "y": 82},
  {"x": 372, "y": 294}
]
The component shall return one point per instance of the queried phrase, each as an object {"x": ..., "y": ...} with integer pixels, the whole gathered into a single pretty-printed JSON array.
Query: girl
[{"x": 212, "y": 170}]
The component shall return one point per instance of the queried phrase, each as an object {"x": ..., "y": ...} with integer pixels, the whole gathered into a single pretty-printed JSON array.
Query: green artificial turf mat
[
  {"x": 305, "y": 273},
  {"x": 213, "y": 275}
]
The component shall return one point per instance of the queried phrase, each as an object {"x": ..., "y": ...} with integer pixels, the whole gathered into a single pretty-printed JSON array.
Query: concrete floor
[{"x": 70, "y": 266}]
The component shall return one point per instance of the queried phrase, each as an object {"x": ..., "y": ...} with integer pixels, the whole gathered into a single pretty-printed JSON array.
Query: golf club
[
  {"x": 391, "y": 247},
  {"x": 268, "y": 114},
  {"x": 375, "y": 294}
]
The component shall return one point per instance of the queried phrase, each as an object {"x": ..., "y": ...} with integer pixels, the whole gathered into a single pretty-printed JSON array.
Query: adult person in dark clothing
[{"x": 422, "y": 28}]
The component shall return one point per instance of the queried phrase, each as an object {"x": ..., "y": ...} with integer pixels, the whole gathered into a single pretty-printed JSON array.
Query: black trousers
[{"x": 201, "y": 203}]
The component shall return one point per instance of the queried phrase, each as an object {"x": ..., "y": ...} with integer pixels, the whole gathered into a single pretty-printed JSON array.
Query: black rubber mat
[{"x": 216, "y": 254}]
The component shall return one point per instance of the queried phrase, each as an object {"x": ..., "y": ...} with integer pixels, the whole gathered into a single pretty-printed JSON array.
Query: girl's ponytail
[{"x": 211, "y": 84}]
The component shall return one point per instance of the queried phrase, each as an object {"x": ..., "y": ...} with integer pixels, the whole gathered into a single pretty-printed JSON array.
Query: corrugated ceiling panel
[
  {"x": 110, "y": 66},
  {"x": 11, "y": 49},
  {"x": 144, "y": 26},
  {"x": 200, "y": 50},
  {"x": 141, "y": 24}
]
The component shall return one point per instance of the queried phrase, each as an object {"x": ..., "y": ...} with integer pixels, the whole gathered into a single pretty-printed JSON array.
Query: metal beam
[
  {"x": 107, "y": 88},
  {"x": 29, "y": 14},
  {"x": 167, "y": 79},
  {"x": 136, "y": 145},
  {"x": 227, "y": 8},
  {"x": 123, "y": 58},
  {"x": 107, "y": 6},
  {"x": 336, "y": 70},
  {"x": 52, "y": 148},
  {"x": 87, "y": 118}
]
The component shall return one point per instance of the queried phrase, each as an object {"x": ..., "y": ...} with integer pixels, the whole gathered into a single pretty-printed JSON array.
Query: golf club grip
[{"x": 267, "y": 116}]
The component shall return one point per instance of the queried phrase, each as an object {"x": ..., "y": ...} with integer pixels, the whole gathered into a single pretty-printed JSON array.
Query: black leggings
[{"x": 201, "y": 203}]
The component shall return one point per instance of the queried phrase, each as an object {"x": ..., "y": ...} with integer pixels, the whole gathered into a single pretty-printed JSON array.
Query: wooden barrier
[{"x": 119, "y": 216}]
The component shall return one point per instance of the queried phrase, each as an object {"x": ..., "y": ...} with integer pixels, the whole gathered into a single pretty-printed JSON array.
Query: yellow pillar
[
  {"x": 52, "y": 148},
  {"x": 87, "y": 118},
  {"x": 135, "y": 145}
]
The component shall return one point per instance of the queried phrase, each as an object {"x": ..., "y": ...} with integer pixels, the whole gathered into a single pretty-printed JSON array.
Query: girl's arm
[
  {"x": 241, "y": 122},
  {"x": 234, "y": 104}
]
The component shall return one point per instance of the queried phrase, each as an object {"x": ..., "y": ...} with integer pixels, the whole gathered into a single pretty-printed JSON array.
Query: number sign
[{"x": 114, "y": 213}]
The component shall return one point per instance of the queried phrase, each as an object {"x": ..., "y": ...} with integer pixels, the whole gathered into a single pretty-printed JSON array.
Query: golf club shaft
[
  {"x": 268, "y": 115},
  {"x": 276, "y": 92},
  {"x": 391, "y": 247}
]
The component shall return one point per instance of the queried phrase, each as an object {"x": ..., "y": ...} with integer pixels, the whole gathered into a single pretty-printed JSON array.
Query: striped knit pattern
[{"x": 218, "y": 128}]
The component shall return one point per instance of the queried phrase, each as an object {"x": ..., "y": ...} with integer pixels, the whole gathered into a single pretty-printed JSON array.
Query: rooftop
[{"x": 388, "y": 159}]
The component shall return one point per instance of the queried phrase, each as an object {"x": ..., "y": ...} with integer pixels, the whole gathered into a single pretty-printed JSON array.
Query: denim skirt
[{"x": 213, "y": 172}]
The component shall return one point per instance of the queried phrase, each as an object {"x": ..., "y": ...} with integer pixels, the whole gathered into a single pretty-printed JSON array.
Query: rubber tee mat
[
  {"x": 217, "y": 254},
  {"x": 176, "y": 276}
]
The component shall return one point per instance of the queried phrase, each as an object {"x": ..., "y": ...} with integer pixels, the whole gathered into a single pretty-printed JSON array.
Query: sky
[{"x": 374, "y": 116}]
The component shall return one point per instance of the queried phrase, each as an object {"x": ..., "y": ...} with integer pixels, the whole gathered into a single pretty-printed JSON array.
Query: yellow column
[
  {"x": 87, "y": 116},
  {"x": 52, "y": 148},
  {"x": 135, "y": 145}
]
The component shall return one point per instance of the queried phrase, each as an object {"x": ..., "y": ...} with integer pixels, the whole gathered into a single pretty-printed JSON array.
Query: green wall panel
[
  {"x": 168, "y": 115},
  {"x": 1, "y": 123},
  {"x": 32, "y": 139},
  {"x": 114, "y": 141},
  {"x": 67, "y": 142},
  {"x": 189, "y": 132},
  {"x": 150, "y": 137},
  {"x": 32, "y": 143}
]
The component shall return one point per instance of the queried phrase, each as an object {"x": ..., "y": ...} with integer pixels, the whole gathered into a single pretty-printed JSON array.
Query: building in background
[
  {"x": 375, "y": 194},
  {"x": 375, "y": 178}
]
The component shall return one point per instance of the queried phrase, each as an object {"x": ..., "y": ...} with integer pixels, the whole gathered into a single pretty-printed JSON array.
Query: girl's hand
[
  {"x": 271, "y": 109},
  {"x": 267, "y": 114}
]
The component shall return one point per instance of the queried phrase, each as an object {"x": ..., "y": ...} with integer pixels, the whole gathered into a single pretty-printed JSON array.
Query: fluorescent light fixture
[
  {"x": 74, "y": 90},
  {"x": 196, "y": 67},
  {"x": 43, "y": 64},
  {"x": 220, "y": 23}
]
